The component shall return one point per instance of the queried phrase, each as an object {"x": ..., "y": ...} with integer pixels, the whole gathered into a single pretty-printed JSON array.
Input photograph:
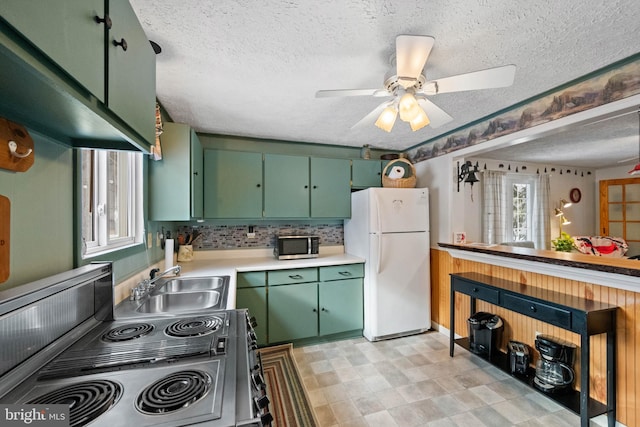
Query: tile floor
[{"x": 412, "y": 381}]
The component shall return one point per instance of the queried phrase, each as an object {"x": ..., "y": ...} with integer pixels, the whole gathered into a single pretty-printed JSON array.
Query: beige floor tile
[
  {"x": 345, "y": 410},
  {"x": 412, "y": 382},
  {"x": 382, "y": 418}
]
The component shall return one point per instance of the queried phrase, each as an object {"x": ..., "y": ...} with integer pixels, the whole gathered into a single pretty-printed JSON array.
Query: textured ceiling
[{"x": 251, "y": 68}]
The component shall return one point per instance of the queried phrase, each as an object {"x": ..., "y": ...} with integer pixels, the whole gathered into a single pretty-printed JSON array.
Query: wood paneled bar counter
[{"x": 611, "y": 281}]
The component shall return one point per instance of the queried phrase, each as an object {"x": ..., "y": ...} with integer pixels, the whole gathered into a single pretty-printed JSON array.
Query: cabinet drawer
[
  {"x": 251, "y": 279},
  {"x": 287, "y": 277},
  {"x": 548, "y": 314},
  {"x": 477, "y": 291},
  {"x": 341, "y": 272}
]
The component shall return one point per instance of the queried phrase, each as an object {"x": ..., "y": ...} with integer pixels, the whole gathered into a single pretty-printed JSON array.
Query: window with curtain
[{"x": 515, "y": 208}]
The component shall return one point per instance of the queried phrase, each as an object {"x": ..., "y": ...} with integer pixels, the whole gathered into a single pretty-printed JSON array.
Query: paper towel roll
[{"x": 168, "y": 253}]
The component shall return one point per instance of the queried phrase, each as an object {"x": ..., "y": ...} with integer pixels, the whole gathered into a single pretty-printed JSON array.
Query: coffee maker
[{"x": 554, "y": 369}]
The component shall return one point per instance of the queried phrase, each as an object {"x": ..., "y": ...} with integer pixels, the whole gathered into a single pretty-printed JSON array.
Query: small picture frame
[{"x": 459, "y": 237}]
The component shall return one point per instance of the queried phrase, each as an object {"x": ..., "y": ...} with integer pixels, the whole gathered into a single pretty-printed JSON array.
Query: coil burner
[
  {"x": 127, "y": 332},
  {"x": 194, "y": 326},
  {"x": 87, "y": 400},
  {"x": 174, "y": 392}
]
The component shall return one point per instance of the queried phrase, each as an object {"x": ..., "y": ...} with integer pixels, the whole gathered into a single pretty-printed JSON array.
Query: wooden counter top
[{"x": 613, "y": 272}]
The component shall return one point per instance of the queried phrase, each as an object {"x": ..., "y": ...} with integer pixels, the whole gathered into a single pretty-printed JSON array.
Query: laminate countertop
[
  {"x": 613, "y": 272},
  {"x": 231, "y": 262}
]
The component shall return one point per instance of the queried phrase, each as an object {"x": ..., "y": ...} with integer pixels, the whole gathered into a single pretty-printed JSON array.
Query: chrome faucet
[
  {"x": 143, "y": 288},
  {"x": 154, "y": 276}
]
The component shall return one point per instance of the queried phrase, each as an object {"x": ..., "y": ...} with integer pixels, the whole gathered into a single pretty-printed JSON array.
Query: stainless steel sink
[
  {"x": 181, "y": 302},
  {"x": 190, "y": 284}
]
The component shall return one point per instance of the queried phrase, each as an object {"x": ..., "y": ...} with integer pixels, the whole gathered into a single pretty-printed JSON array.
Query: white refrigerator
[{"x": 389, "y": 227}]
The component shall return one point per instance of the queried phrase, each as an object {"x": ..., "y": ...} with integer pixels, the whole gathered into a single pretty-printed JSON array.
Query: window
[
  {"x": 520, "y": 195},
  {"x": 112, "y": 216}
]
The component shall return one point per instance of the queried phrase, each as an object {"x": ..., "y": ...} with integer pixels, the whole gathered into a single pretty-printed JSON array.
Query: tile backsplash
[{"x": 235, "y": 236}]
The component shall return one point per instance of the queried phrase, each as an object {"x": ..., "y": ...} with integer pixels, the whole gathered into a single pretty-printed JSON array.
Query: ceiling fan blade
[
  {"x": 351, "y": 92},
  {"x": 437, "y": 116},
  {"x": 484, "y": 79},
  {"x": 411, "y": 55},
  {"x": 370, "y": 118}
]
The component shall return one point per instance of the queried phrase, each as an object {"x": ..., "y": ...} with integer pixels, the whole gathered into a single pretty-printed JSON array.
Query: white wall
[
  {"x": 452, "y": 211},
  {"x": 436, "y": 175},
  {"x": 581, "y": 214}
]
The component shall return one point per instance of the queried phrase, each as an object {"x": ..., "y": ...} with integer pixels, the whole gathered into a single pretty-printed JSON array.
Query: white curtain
[
  {"x": 541, "y": 212},
  {"x": 494, "y": 211}
]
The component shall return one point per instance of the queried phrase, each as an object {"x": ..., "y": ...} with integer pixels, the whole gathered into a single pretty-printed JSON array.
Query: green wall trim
[{"x": 238, "y": 143}]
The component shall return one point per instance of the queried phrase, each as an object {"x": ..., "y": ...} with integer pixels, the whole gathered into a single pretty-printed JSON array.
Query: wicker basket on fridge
[{"x": 404, "y": 182}]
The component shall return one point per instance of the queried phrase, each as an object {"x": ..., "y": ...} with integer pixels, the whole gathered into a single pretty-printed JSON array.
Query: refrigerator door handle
[
  {"x": 379, "y": 254},
  {"x": 378, "y": 215}
]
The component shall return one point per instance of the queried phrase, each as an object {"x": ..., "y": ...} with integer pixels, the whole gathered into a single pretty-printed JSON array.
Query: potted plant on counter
[{"x": 564, "y": 243}]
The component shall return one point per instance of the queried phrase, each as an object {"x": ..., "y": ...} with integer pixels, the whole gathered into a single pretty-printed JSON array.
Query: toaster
[{"x": 518, "y": 357}]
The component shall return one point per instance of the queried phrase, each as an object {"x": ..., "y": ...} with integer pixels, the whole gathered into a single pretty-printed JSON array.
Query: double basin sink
[{"x": 184, "y": 294}]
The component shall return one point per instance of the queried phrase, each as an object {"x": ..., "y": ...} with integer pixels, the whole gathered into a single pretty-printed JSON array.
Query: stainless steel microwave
[{"x": 295, "y": 247}]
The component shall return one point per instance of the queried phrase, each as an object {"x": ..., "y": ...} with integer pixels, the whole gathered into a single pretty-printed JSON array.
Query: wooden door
[{"x": 620, "y": 211}]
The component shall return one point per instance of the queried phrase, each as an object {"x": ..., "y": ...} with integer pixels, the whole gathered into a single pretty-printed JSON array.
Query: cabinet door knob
[
  {"x": 258, "y": 185},
  {"x": 344, "y": 273},
  {"x": 122, "y": 43},
  {"x": 306, "y": 186},
  {"x": 315, "y": 311},
  {"x": 315, "y": 186},
  {"x": 195, "y": 173},
  {"x": 475, "y": 289},
  {"x": 533, "y": 308},
  {"x": 106, "y": 20},
  {"x": 324, "y": 309},
  {"x": 295, "y": 276}
]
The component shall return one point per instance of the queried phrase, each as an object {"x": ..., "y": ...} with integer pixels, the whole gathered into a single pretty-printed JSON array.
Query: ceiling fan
[{"x": 408, "y": 88}]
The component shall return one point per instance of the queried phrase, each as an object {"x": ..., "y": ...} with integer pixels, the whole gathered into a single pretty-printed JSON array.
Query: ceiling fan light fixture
[
  {"x": 420, "y": 121},
  {"x": 387, "y": 118},
  {"x": 408, "y": 107}
]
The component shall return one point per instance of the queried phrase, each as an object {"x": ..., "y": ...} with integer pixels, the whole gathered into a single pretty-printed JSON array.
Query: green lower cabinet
[
  {"x": 293, "y": 312},
  {"x": 255, "y": 299},
  {"x": 341, "y": 306}
]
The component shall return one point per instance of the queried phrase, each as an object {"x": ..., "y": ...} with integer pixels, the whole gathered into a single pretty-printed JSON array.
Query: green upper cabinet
[
  {"x": 63, "y": 76},
  {"x": 366, "y": 173},
  {"x": 232, "y": 184},
  {"x": 242, "y": 184},
  {"x": 286, "y": 186},
  {"x": 132, "y": 71},
  {"x": 176, "y": 181},
  {"x": 330, "y": 188},
  {"x": 67, "y": 33}
]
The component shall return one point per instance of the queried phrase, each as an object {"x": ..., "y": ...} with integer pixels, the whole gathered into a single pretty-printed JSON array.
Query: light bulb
[
  {"x": 408, "y": 107},
  {"x": 387, "y": 118}
]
